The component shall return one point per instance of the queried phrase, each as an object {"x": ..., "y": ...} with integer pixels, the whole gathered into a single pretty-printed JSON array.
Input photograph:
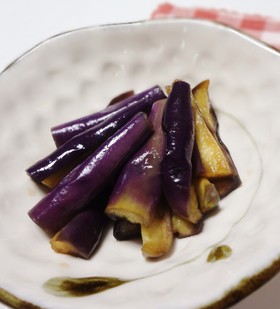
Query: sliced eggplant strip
[
  {"x": 157, "y": 238},
  {"x": 81, "y": 235},
  {"x": 84, "y": 143},
  {"x": 63, "y": 132},
  {"x": 201, "y": 97},
  {"x": 87, "y": 180},
  {"x": 138, "y": 190},
  {"x": 206, "y": 124},
  {"x": 214, "y": 160},
  {"x": 226, "y": 185},
  {"x": 177, "y": 166}
]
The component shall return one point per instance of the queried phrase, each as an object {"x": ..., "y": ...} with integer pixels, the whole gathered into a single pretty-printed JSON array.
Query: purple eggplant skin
[
  {"x": 125, "y": 230},
  {"x": 178, "y": 125},
  {"x": 85, "y": 181},
  {"x": 85, "y": 142},
  {"x": 81, "y": 235},
  {"x": 66, "y": 131},
  {"x": 139, "y": 186}
]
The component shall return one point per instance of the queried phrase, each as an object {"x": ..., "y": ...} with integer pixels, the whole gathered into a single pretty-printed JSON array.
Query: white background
[{"x": 24, "y": 23}]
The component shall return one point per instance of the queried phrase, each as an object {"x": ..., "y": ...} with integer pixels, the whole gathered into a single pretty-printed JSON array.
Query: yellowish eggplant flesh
[
  {"x": 208, "y": 196},
  {"x": 215, "y": 162},
  {"x": 157, "y": 238},
  {"x": 201, "y": 97},
  {"x": 183, "y": 228},
  {"x": 222, "y": 172}
]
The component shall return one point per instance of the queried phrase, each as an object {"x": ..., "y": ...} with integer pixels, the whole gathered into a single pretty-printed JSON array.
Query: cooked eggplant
[
  {"x": 157, "y": 238},
  {"x": 55, "y": 178},
  {"x": 183, "y": 228},
  {"x": 138, "y": 189},
  {"x": 83, "y": 183},
  {"x": 176, "y": 165},
  {"x": 226, "y": 185},
  {"x": 215, "y": 158},
  {"x": 84, "y": 143},
  {"x": 81, "y": 235},
  {"x": 201, "y": 97},
  {"x": 207, "y": 194},
  {"x": 125, "y": 230},
  {"x": 165, "y": 171},
  {"x": 63, "y": 132}
]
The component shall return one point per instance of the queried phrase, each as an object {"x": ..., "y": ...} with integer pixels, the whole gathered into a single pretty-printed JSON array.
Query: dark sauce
[
  {"x": 14, "y": 302},
  {"x": 218, "y": 253},
  {"x": 64, "y": 286}
]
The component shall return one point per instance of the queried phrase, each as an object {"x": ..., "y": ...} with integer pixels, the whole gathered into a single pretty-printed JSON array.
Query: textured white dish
[{"x": 76, "y": 73}]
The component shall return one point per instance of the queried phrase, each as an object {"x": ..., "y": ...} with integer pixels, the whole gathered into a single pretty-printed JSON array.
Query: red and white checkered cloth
[{"x": 263, "y": 28}]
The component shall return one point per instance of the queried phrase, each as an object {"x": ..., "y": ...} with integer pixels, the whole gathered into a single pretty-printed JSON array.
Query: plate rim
[
  {"x": 172, "y": 20},
  {"x": 244, "y": 288}
]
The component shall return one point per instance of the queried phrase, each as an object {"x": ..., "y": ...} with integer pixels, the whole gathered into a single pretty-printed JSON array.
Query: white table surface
[{"x": 24, "y": 23}]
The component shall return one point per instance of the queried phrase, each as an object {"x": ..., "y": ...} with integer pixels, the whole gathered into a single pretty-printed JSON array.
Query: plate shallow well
[{"x": 77, "y": 73}]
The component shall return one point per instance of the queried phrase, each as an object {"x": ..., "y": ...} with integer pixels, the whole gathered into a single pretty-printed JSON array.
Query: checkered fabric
[{"x": 263, "y": 28}]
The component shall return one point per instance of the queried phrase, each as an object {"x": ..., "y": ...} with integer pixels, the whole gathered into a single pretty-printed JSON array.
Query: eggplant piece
[
  {"x": 138, "y": 189},
  {"x": 86, "y": 181},
  {"x": 223, "y": 183},
  {"x": 81, "y": 235},
  {"x": 83, "y": 144},
  {"x": 214, "y": 160},
  {"x": 195, "y": 214},
  {"x": 226, "y": 185},
  {"x": 63, "y": 132},
  {"x": 121, "y": 97},
  {"x": 125, "y": 230},
  {"x": 157, "y": 238},
  {"x": 55, "y": 178},
  {"x": 217, "y": 163},
  {"x": 168, "y": 89},
  {"x": 176, "y": 165},
  {"x": 201, "y": 97},
  {"x": 183, "y": 228},
  {"x": 207, "y": 194}
]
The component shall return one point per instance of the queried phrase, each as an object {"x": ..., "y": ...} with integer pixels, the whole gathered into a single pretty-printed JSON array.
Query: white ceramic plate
[{"x": 78, "y": 72}]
